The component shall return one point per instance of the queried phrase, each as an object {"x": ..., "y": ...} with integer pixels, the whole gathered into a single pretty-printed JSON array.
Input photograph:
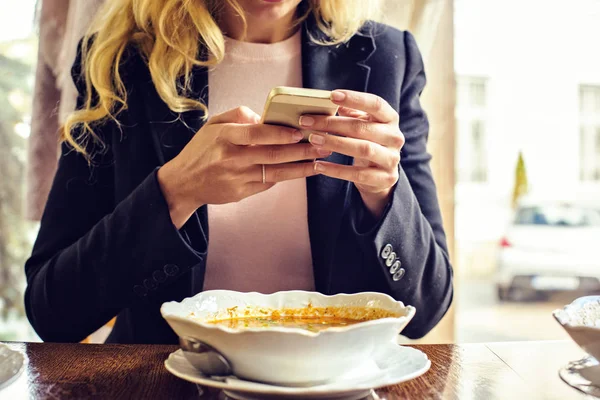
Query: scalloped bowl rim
[
  {"x": 566, "y": 322},
  {"x": 408, "y": 310}
]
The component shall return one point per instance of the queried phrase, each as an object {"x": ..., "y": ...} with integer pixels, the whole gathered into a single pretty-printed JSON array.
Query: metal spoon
[{"x": 205, "y": 358}]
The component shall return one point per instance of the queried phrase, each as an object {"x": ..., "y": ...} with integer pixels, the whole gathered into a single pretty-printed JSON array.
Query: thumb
[{"x": 239, "y": 115}]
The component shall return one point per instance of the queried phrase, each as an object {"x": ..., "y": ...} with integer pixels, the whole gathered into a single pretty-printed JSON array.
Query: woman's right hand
[{"x": 223, "y": 162}]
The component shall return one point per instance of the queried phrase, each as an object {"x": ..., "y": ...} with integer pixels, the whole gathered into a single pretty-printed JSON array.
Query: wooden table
[{"x": 523, "y": 370}]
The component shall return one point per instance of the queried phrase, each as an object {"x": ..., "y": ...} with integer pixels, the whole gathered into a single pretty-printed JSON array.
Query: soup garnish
[{"x": 310, "y": 323}]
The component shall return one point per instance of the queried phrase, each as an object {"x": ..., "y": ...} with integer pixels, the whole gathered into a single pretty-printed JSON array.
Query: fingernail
[
  {"x": 323, "y": 153},
  {"x": 297, "y": 136},
  {"x": 317, "y": 140},
  {"x": 307, "y": 121},
  {"x": 319, "y": 167},
  {"x": 338, "y": 96}
]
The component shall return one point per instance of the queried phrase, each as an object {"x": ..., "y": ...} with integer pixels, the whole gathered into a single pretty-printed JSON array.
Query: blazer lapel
[{"x": 330, "y": 67}]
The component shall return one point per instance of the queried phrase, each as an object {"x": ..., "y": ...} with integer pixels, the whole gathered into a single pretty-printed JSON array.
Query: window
[
  {"x": 478, "y": 169},
  {"x": 566, "y": 216},
  {"x": 18, "y": 50},
  {"x": 589, "y": 133},
  {"x": 477, "y": 92},
  {"x": 504, "y": 107},
  {"x": 472, "y": 139}
]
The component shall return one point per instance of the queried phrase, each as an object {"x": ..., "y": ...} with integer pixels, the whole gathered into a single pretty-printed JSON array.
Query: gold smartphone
[{"x": 285, "y": 105}]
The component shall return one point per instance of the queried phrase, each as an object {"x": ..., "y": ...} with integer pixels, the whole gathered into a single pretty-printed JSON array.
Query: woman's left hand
[{"x": 366, "y": 128}]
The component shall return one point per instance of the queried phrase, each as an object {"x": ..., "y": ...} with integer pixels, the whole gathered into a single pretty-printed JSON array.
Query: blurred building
[{"x": 528, "y": 79}]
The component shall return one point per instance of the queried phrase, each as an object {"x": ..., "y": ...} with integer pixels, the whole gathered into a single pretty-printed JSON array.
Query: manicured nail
[
  {"x": 297, "y": 136},
  {"x": 307, "y": 121},
  {"x": 323, "y": 152},
  {"x": 317, "y": 140},
  {"x": 338, "y": 96},
  {"x": 319, "y": 167}
]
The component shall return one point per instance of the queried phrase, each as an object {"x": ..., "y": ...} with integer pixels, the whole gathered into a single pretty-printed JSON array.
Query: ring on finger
[{"x": 264, "y": 174}]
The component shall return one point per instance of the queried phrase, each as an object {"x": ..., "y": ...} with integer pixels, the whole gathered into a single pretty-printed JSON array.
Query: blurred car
[{"x": 548, "y": 247}]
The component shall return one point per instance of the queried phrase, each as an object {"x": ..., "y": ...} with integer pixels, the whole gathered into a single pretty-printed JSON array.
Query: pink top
[{"x": 260, "y": 243}]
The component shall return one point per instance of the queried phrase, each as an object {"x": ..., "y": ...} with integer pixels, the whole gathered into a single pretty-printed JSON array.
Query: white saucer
[
  {"x": 393, "y": 364},
  {"x": 583, "y": 375},
  {"x": 12, "y": 364}
]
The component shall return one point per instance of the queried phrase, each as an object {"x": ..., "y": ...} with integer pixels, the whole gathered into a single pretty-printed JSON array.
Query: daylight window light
[
  {"x": 22, "y": 129},
  {"x": 17, "y": 99}
]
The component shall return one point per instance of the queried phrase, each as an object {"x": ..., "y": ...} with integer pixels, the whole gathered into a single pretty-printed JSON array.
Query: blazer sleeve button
[
  {"x": 171, "y": 269},
  {"x": 399, "y": 275},
  {"x": 390, "y": 260},
  {"x": 159, "y": 276},
  {"x": 140, "y": 290},
  {"x": 387, "y": 250},
  {"x": 150, "y": 284},
  {"x": 395, "y": 267}
]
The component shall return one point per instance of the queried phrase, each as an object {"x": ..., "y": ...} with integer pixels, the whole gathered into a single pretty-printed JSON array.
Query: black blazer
[{"x": 107, "y": 247}]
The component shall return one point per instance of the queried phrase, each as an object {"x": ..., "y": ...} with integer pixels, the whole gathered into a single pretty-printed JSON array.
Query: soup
[
  {"x": 310, "y": 323},
  {"x": 310, "y": 318}
]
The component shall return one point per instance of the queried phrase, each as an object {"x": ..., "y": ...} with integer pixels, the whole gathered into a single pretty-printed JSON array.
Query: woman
[{"x": 143, "y": 176}]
